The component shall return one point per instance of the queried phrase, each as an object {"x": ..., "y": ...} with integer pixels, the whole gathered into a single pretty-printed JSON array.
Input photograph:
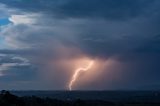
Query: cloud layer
[{"x": 45, "y": 35}]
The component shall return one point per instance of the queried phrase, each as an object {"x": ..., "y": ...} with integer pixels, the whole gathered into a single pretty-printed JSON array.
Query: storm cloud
[{"x": 45, "y": 32}]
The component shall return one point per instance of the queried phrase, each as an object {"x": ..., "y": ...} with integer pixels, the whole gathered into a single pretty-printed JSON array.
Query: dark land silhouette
[{"x": 9, "y": 99}]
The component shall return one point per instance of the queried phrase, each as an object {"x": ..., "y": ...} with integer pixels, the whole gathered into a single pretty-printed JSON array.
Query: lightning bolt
[{"x": 76, "y": 73}]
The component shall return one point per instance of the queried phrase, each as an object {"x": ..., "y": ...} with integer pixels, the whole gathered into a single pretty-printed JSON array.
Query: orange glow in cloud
[{"x": 77, "y": 72}]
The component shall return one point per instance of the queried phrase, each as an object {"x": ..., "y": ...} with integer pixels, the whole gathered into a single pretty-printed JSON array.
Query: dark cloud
[
  {"x": 124, "y": 30},
  {"x": 109, "y": 9},
  {"x": 117, "y": 9},
  {"x": 151, "y": 46},
  {"x": 19, "y": 73}
]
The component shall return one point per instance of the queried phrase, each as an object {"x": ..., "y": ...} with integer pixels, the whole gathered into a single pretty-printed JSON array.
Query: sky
[{"x": 43, "y": 42}]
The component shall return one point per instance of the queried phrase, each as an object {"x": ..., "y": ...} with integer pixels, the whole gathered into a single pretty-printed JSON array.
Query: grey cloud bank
[{"x": 125, "y": 30}]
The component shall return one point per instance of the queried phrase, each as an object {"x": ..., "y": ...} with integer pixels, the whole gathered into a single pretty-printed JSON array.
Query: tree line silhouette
[{"x": 8, "y": 99}]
